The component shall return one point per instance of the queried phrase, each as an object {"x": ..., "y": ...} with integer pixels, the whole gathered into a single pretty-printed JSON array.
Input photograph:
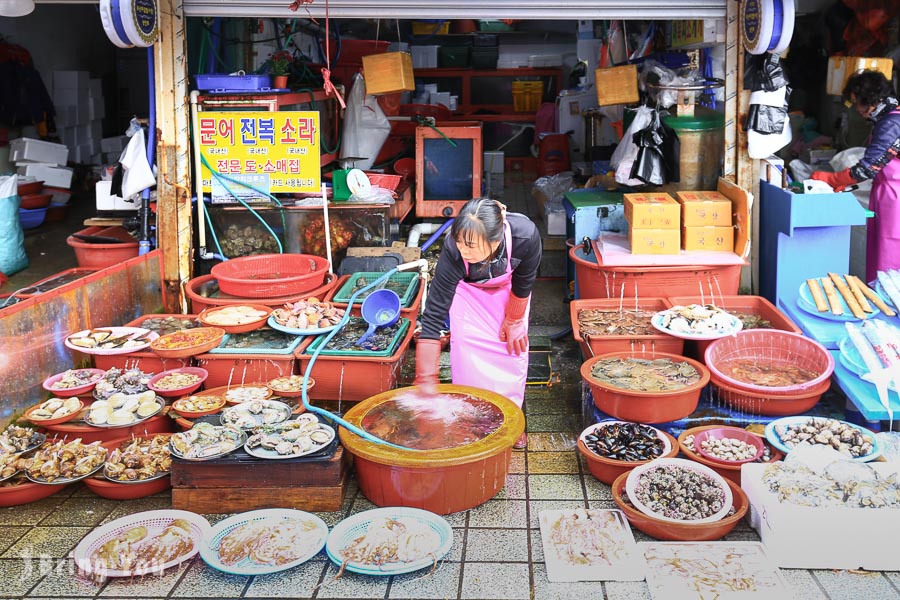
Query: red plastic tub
[
  {"x": 600, "y": 281},
  {"x": 97, "y": 256},
  {"x": 595, "y": 345},
  {"x": 757, "y": 403},
  {"x": 270, "y": 275},
  {"x": 645, "y": 407},
  {"x": 32, "y": 201},
  {"x": 237, "y": 369},
  {"x": 199, "y": 302}
]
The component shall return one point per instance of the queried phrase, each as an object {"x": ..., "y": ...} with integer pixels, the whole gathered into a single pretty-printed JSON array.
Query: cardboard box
[
  {"x": 655, "y": 241},
  {"x": 704, "y": 209},
  {"x": 654, "y": 210},
  {"x": 840, "y": 68},
  {"x": 719, "y": 239},
  {"x": 799, "y": 537},
  {"x": 388, "y": 73},
  {"x": 37, "y": 151}
]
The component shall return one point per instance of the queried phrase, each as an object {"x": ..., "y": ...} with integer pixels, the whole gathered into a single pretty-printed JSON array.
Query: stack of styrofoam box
[
  {"x": 44, "y": 161},
  {"x": 80, "y": 109},
  {"x": 112, "y": 147}
]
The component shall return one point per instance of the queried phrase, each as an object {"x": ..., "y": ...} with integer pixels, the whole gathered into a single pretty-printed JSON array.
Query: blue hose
[
  {"x": 312, "y": 361},
  {"x": 434, "y": 236}
]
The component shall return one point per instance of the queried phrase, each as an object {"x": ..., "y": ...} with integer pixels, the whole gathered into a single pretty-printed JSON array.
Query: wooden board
[
  {"x": 741, "y": 202},
  {"x": 232, "y": 499},
  {"x": 248, "y": 473},
  {"x": 408, "y": 254}
]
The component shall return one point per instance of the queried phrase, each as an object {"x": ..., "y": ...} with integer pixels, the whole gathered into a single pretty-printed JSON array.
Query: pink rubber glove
[
  {"x": 428, "y": 357},
  {"x": 514, "y": 330},
  {"x": 838, "y": 181}
]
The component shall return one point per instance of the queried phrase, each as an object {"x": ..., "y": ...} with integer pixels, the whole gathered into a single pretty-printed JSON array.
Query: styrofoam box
[
  {"x": 96, "y": 108},
  {"x": 83, "y": 114},
  {"x": 106, "y": 201},
  {"x": 71, "y": 80},
  {"x": 493, "y": 162},
  {"x": 545, "y": 60},
  {"x": 83, "y": 134},
  {"x": 424, "y": 57},
  {"x": 114, "y": 144},
  {"x": 95, "y": 88},
  {"x": 556, "y": 221},
  {"x": 65, "y": 115},
  {"x": 27, "y": 149},
  {"x": 799, "y": 537},
  {"x": 51, "y": 175}
]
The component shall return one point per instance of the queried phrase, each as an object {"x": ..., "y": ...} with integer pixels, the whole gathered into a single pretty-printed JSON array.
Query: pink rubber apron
[
  {"x": 883, "y": 232},
  {"x": 477, "y": 356}
]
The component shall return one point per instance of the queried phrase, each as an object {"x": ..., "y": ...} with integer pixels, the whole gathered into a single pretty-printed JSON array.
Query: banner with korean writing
[{"x": 282, "y": 147}]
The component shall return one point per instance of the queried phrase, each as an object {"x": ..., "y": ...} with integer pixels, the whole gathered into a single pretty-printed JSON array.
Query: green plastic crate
[
  {"x": 404, "y": 284},
  {"x": 360, "y": 324},
  {"x": 290, "y": 343}
]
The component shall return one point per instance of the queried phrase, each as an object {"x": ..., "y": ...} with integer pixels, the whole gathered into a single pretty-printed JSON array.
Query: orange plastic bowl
[
  {"x": 194, "y": 414},
  {"x": 25, "y": 492},
  {"x": 645, "y": 407},
  {"x": 115, "y": 490},
  {"x": 608, "y": 469},
  {"x": 208, "y": 313},
  {"x": 188, "y": 342},
  {"x": 730, "y": 472},
  {"x": 181, "y": 391},
  {"x": 730, "y": 433},
  {"x": 682, "y": 531},
  {"x": 767, "y": 404},
  {"x": 290, "y": 392}
]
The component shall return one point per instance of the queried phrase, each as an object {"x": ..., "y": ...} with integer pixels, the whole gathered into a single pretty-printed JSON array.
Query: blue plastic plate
[
  {"x": 775, "y": 440},
  {"x": 852, "y": 360},
  {"x": 314, "y": 331},
  {"x": 657, "y": 320},
  {"x": 353, "y": 527},
  {"x": 312, "y": 541},
  {"x": 807, "y": 304}
]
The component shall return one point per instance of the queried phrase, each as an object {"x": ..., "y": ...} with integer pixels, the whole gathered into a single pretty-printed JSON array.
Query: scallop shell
[
  {"x": 72, "y": 404},
  {"x": 117, "y": 400},
  {"x": 120, "y": 417},
  {"x": 146, "y": 409}
]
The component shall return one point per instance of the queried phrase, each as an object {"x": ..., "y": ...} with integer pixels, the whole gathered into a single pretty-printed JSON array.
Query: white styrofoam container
[
  {"x": 114, "y": 144},
  {"x": 96, "y": 108},
  {"x": 71, "y": 80},
  {"x": 52, "y": 175},
  {"x": 424, "y": 57},
  {"x": 493, "y": 162},
  {"x": 95, "y": 88},
  {"x": 556, "y": 221},
  {"x": 798, "y": 537},
  {"x": 545, "y": 60},
  {"x": 106, "y": 201},
  {"x": 65, "y": 115},
  {"x": 28, "y": 149},
  {"x": 83, "y": 114},
  {"x": 83, "y": 133}
]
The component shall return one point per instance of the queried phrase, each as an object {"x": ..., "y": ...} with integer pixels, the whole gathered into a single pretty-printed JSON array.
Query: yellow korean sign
[{"x": 273, "y": 151}]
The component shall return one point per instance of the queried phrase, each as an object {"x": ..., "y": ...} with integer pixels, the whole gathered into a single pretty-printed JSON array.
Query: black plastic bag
[
  {"x": 671, "y": 151},
  {"x": 763, "y": 72},
  {"x": 649, "y": 165},
  {"x": 766, "y": 119}
]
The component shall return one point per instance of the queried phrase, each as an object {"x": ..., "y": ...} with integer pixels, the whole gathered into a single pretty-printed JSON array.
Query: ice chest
[
  {"x": 28, "y": 150},
  {"x": 388, "y": 72},
  {"x": 655, "y": 210},
  {"x": 798, "y": 537}
]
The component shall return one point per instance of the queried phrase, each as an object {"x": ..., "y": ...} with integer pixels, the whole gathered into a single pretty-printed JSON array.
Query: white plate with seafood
[
  {"x": 589, "y": 545},
  {"x": 248, "y": 415},
  {"x": 696, "y": 322},
  {"x": 108, "y": 341},
  {"x": 777, "y": 430},
  {"x": 265, "y": 541},
  {"x": 681, "y": 570},
  {"x": 124, "y": 410},
  {"x": 310, "y": 331},
  {"x": 142, "y": 543},
  {"x": 302, "y": 436},
  {"x": 205, "y": 442},
  {"x": 60, "y": 462},
  {"x": 389, "y": 541}
]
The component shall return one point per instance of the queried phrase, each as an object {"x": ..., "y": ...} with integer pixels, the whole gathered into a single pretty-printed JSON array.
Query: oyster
[
  {"x": 284, "y": 447},
  {"x": 320, "y": 436}
]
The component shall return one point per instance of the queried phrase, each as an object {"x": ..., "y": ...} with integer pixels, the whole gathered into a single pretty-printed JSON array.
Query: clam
[
  {"x": 255, "y": 407},
  {"x": 293, "y": 434},
  {"x": 117, "y": 400},
  {"x": 146, "y": 409},
  {"x": 245, "y": 421},
  {"x": 99, "y": 416},
  {"x": 130, "y": 404},
  {"x": 284, "y": 447},
  {"x": 302, "y": 444},
  {"x": 272, "y": 415},
  {"x": 254, "y": 440},
  {"x": 52, "y": 405},
  {"x": 120, "y": 417},
  {"x": 60, "y": 412},
  {"x": 72, "y": 404},
  {"x": 270, "y": 442},
  {"x": 320, "y": 436}
]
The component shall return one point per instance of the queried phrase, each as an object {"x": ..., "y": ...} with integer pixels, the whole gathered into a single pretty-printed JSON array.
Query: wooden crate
[{"x": 239, "y": 499}]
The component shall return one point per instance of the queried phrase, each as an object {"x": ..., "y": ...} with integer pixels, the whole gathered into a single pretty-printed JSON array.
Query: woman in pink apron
[
  {"x": 872, "y": 95},
  {"x": 483, "y": 281}
]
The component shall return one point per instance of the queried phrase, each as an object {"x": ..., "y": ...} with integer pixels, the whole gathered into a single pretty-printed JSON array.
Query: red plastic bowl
[
  {"x": 25, "y": 492},
  {"x": 32, "y": 201},
  {"x": 645, "y": 407},
  {"x": 774, "y": 346},
  {"x": 731, "y": 433},
  {"x": 73, "y": 391},
  {"x": 769, "y": 405},
  {"x": 203, "y": 317},
  {"x": 730, "y": 472},
  {"x": 267, "y": 275},
  {"x": 682, "y": 531},
  {"x": 405, "y": 167},
  {"x": 115, "y": 490},
  {"x": 182, "y": 391},
  {"x": 608, "y": 469}
]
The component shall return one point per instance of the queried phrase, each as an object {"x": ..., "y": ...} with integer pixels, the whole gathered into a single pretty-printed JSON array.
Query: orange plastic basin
[
  {"x": 732, "y": 472},
  {"x": 592, "y": 345},
  {"x": 608, "y": 469},
  {"x": 443, "y": 481}
]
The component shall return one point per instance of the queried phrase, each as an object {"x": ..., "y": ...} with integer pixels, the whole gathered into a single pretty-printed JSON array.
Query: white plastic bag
[
  {"x": 761, "y": 145},
  {"x": 365, "y": 126},
  {"x": 625, "y": 153},
  {"x": 138, "y": 175}
]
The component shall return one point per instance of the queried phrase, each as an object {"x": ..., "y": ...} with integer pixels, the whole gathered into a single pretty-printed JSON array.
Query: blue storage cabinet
[{"x": 588, "y": 212}]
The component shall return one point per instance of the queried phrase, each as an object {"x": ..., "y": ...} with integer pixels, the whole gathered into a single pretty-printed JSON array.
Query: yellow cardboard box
[
  {"x": 654, "y": 210},
  {"x": 840, "y": 68},
  {"x": 654, "y": 241},
  {"x": 388, "y": 73},
  {"x": 720, "y": 239},
  {"x": 704, "y": 209}
]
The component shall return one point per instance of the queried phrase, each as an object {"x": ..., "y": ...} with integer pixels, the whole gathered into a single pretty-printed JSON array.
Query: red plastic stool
[{"x": 553, "y": 154}]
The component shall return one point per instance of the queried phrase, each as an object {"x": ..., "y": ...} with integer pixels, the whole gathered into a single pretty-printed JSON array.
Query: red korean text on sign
[
  {"x": 226, "y": 130},
  {"x": 207, "y": 132},
  {"x": 306, "y": 129}
]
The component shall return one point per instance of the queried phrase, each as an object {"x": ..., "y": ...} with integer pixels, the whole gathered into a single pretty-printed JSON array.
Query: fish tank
[
  {"x": 239, "y": 233},
  {"x": 349, "y": 224}
]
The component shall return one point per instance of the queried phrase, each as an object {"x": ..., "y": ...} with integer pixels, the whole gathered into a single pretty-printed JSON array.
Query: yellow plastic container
[
  {"x": 430, "y": 27},
  {"x": 388, "y": 73},
  {"x": 527, "y": 95}
]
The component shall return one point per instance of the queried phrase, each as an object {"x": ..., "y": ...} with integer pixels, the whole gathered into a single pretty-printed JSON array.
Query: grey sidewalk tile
[
  {"x": 52, "y": 542},
  {"x": 554, "y": 487},
  {"x": 32, "y": 513},
  {"x": 517, "y": 463},
  {"x": 603, "y": 504},
  {"x": 537, "y": 546},
  {"x": 514, "y": 489},
  {"x": 552, "y": 462},
  {"x": 547, "y": 590},
  {"x": 202, "y": 581},
  {"x": 552, "y": 442},
  {"x": 536, "y": 506},
  {"x": 480, "y": 581},
  {"x": 627, "y": 590},
  {"x": 149, "y": 585},
  {"x": 499, "y": 513},
  {"x": 10, "y": 535},
  {"x": 559, "y": 423},
  {"x": 293, "y": 583},
  {"x": 596, "y": 489},
  {"x": 443, "y": 583},
  {"x": 352, "y": 585},
  {"x": 802, "y": 584},
  {"x": 456, "y": 550},
  {"x": 62, "y": 580},
  {"x": 546, "y": 406},
  {"x": 19, "y": 576},
  {"x": 497, "y": 544},
  {"x": 855, "y": 584},
  {"x": 458, "y": 519},
  {"x": 82, "y": 511}
]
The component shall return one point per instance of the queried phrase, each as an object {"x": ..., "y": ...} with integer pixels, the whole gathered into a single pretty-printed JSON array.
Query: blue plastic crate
[{"x": 221, "y": 82}]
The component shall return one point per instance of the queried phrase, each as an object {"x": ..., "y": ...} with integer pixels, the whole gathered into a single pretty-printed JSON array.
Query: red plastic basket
[
  {"x": 268, "y": 275},
  {"x": 386, "y": 181}
]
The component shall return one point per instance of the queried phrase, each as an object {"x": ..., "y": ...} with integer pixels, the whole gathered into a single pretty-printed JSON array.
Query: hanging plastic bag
[
  {"x": 765, "y": 73},
  {"x": 12, "y": 239},
  {"x": 649, "y": 164},
  {"x": 138, "y": 174},
  {"x": 671, "y": 152},
  {"x": 365, "y": 126},
  {"x": 763, "y": 145},
  {"x": 625, "y": 153}
]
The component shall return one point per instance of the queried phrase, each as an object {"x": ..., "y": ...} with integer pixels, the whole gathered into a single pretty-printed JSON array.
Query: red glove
[
  {"x": 428, "y": 357},
  {"x": 514, "y": 330},
  {"x": 838, "y": 181}
]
